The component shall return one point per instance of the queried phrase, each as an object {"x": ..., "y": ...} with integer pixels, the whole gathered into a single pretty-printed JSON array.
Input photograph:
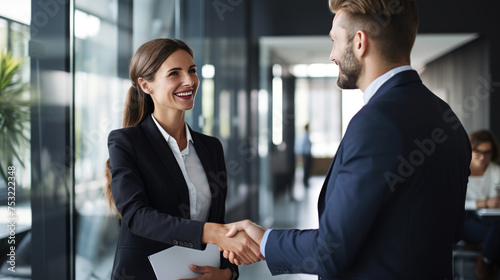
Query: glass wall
[
  {"x": 15, "y": 173},
  {"x": 75, "y": 64},
  {"x": 99, "y": 92},
  {"x": 106, "y": 35}
]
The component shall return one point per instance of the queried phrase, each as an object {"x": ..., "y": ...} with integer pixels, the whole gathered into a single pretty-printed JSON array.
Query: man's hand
[
  {"x": 254, "y": 231},
  {"x": 493, "y": 202},
  {"x": 246, "y": 250},
  {"x": 210, "y": 272}
]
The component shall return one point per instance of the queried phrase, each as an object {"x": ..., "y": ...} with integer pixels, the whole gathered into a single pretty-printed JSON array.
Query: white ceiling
[{"x": 316, "y": 49}]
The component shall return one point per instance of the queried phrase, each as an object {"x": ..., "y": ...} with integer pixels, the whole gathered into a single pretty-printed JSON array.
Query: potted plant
[{"x": 14, "y": 112}]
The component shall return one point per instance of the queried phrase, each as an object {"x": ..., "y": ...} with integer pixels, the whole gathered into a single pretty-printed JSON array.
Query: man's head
[{"x": 390, "y": 27}]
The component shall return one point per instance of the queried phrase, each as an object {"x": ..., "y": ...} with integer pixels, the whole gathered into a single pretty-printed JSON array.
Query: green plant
[{"x": 14, "y": 112}]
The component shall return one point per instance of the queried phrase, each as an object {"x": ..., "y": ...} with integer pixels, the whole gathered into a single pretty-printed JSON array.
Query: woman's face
[
  {"x": 481, "y": 155},
  {"x": 175, "y": 83}
]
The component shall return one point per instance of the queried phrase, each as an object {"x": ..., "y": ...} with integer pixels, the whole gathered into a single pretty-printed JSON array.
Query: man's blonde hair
[{"x": 393, "y": 24}]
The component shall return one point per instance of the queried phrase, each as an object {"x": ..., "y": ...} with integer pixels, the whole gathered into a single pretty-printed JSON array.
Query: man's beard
[{"x": 350, "y": 69}]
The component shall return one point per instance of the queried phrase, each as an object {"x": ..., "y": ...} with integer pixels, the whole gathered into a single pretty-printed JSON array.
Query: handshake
[{"x": 239, "y": 241}]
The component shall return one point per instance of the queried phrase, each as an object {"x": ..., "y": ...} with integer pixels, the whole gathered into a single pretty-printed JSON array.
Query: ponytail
[
  {"x": 108, "y": 196},
  {"x": 138, "y": 105}
]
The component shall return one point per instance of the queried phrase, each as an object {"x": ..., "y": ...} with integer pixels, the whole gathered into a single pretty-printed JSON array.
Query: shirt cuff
[
  {"x": 470, "y": 205},
  {"x": 263, "y": 242}
]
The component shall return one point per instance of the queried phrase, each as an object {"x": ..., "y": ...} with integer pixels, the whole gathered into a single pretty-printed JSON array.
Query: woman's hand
[
  {"x": 248, "y": 227},
  {"x": 493, "y": 202},
  {"x": 210, "y": 272},
  {"x": 244, "y": 248},
  {"x": 480, "y": 204}
]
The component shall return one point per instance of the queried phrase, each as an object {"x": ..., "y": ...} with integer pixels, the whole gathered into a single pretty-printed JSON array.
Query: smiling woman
[{"x": 160, "y": 171}]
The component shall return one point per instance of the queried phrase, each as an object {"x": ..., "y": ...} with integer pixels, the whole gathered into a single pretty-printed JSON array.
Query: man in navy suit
[{"x": 392, "y": 203}]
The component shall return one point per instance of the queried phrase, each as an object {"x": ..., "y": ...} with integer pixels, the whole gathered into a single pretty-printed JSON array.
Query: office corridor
[{"x": 297, "y": 209}]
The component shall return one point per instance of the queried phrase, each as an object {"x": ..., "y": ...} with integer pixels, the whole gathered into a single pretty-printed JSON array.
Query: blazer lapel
[
  {"x": 209, "y": 168},
  {"x": 398, "y": 80},
  {"x": 321, "y": 200},
  {"x": 166, "y": 155}
]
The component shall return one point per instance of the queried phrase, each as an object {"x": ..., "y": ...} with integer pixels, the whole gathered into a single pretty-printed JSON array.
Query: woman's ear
[{"x": 144, "y": 85}]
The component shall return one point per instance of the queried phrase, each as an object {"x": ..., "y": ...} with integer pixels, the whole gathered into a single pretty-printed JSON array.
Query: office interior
[{"x": 264, "y": 74}]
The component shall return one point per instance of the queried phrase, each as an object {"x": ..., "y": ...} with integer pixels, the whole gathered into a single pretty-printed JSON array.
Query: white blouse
[
  {"x": 200, "y": 198},
  {"x": 483, "y": 187}
]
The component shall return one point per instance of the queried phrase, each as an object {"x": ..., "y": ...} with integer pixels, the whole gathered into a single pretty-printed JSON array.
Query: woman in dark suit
[{"x": 166, "y": 181}]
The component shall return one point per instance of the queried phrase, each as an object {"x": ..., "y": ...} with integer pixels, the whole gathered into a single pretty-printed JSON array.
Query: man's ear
[
  {"x": 360, "y": 44},
  {"x": 144, "y": 85}
]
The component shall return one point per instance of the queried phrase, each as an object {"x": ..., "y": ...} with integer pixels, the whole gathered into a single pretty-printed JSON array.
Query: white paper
[
  {"x": 489, "y": 212},
  {"x": 175, "y": 263}
]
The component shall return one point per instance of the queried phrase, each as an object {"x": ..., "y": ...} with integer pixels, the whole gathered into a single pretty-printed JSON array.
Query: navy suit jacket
[
  {"x": 393, "y": 200},
  {"x": 152, "y": 196}
]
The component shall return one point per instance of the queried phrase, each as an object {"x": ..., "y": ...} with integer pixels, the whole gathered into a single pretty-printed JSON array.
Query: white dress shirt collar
[
  {"x": 378, "y": 82},
  {"x": 169, "y": 138}
]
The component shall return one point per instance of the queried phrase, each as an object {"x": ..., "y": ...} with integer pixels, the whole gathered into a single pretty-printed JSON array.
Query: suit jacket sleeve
[
  {"x": 353, "y": 198},
  {"x": 128, "y": 191}
]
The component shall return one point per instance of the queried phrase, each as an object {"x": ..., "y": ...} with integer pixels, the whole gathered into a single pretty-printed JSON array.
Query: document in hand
[{"x": 174, "y": 263}]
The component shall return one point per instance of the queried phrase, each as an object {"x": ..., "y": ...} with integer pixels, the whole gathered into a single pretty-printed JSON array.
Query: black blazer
[
  {"x": 152, "y": 196},
  {"x": 392, "y": 203}
]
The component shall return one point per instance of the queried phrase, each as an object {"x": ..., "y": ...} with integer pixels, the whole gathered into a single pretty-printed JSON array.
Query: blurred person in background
[
  {"x": 306, "y": 155},
  {"x": 483, "y": 191}
]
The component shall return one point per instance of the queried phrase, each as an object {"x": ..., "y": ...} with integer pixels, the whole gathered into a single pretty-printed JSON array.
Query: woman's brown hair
[
  {"x": 482, "y": 136},
  {"x": 138, "y": 105}
]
